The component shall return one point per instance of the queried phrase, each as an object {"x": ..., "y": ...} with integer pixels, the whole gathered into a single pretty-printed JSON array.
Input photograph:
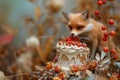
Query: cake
[{"x": 72, "y": 52}]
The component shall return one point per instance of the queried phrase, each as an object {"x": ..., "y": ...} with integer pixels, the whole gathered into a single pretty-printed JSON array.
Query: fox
[{"x": 82, "y": 25}]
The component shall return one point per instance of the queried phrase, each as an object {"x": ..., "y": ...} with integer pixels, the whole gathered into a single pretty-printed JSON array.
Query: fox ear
[
  {"x": 66, "y": 15},
  {"x": 85, "y": 14}
]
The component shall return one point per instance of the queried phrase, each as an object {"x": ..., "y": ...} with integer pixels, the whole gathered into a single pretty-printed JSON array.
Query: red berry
[
  {"x": 111, "y": 21},
  {"x": 104, "y": 1},
  {"x": 100, "y": 3},
  {"x": 105, "y": 34},
  {"x": 105, "y": 38},
  {"x": 56, "y": 68},
  {"x": 76, "y": 43},
  {"x": 76, "y": 39},
  {"x": 112, "y": 33},
  {"x": 103, "y": 27},
  {"x": 75, "y": 68},
  {"x": 79, "y": 44},
  {"x": 84, "y": 45},
  {"x": 67, "y": 44},
  {"x": 72, "y": 42},
  {"x": 68, "y": 39},
  {"x": 96, "y": 12},
  {"x": 113, "y": 51},
  {"x": 115, "y": 56},
  {"x": 105, "y": 49}
]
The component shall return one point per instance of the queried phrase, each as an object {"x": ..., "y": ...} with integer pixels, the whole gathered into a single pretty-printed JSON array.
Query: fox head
[{"x": 78, "y": 23}]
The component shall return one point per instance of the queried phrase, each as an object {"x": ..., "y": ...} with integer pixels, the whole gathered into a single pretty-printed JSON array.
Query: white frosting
[{"x": 70, "y": 49}]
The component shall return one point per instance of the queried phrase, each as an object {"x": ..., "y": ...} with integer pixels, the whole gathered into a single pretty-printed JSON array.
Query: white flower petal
[
  {"x": 32, "y": 41},
  {"x": 97, "y": 57},
  {"x": 103, "y": 54},
  {"x": 106, "y": 60}
]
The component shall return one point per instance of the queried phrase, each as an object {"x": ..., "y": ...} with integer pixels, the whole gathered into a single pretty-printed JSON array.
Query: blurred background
[
  {"x": 29, "y": 30},
  {"x": 15, "y": 13}
]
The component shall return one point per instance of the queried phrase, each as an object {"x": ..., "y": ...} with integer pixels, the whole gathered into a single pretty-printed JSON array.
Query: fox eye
[
  {"x": 70, "y": 27},
  {"x": 80, "y": 27}
]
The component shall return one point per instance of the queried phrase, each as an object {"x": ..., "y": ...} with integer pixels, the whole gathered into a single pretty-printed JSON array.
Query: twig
[{"x": 31, "y": 74}]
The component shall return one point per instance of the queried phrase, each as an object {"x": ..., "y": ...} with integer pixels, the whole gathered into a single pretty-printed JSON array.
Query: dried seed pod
[{"x": 49, "y": 65}]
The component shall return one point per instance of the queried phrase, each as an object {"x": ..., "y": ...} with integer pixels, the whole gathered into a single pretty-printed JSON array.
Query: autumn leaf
[
  {"x": 48, "y": 46},
  {"x": 37, "y": 12},
  {"x": 41, "y": 30}
]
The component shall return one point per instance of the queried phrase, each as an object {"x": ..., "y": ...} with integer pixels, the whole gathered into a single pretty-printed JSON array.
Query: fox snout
[{"x": 74, "y": 34}]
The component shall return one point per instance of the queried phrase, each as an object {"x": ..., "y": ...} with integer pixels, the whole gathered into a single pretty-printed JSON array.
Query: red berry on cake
[
  {"x": 84, "y": 45},
  {"x": 68, "y": 39},
  {"x": 77, "y": 39},
  {"x": 80, "y": 44},
  {"x": 67, "y": 44},
  {"x": 76, "y": 43},
  {"x": 72, "y": 42}
]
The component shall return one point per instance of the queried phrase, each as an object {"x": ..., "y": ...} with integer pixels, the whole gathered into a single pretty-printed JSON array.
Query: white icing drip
[{"x": 70, "y": 49}]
